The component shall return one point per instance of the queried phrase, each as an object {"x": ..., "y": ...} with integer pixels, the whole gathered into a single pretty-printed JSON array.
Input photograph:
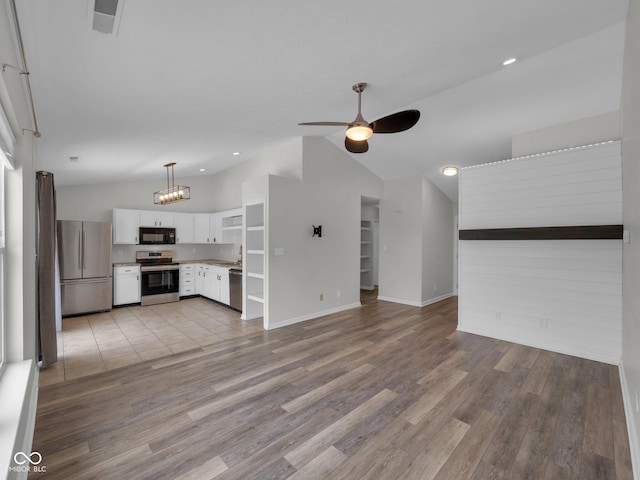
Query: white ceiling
[{"x": 193, "y": 81}]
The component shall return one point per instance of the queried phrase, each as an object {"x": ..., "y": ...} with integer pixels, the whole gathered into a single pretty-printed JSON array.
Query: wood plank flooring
[{"x": 385, "y": 391}]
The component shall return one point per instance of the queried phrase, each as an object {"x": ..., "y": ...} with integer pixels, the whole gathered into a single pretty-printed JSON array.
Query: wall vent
[{"x": 105, "y": 15}]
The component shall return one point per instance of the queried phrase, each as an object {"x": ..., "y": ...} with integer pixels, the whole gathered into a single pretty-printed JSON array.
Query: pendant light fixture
[{"x": 173, "y": 193}]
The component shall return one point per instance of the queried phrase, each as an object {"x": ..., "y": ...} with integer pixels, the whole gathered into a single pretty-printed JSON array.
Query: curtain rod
[{"x": 25, "y": 69}]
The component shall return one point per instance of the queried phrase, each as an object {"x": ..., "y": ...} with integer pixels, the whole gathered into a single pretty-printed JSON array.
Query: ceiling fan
[{"x": 359, "y": 130}]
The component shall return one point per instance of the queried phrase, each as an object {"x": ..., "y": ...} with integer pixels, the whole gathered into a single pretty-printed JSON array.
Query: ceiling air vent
[{"x": 105, "y": 15}]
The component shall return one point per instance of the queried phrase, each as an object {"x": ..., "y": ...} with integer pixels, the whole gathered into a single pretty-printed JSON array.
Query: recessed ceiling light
[
  {"x": 510, "y": 61},
  {"x": 202, "y": 169},
  {"x": 235, "y": 154},
  {"x": 450, "y": 171}
]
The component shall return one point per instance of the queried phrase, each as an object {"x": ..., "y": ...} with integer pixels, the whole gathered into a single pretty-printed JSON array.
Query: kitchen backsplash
[{"x": 227, "y": 252}]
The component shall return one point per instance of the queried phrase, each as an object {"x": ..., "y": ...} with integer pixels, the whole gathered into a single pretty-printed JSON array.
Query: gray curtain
[{"x": 47, "y": 269}]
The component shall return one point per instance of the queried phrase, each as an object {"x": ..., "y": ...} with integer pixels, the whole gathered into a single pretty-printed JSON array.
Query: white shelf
[
  {"x": 255, "y": 275},
  {"x": 234, "y": 227},
  {"x": 258, "y": 228},
  {"x": 255, "y": 252},
  {"x": 366, "y": 253},
  {"x": 256, "y": 297}
]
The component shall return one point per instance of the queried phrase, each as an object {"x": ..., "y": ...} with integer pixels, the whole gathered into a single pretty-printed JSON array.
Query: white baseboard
[
  {"x": 414, "y": 303},
  {"x": 543, "y": 344},
  {"x": 629, "y": 414},
  {"x": 310, "y": 316}
]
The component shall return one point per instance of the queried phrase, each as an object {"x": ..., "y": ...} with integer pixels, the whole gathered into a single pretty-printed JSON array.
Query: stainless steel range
[{"x": 159, "y": 277}]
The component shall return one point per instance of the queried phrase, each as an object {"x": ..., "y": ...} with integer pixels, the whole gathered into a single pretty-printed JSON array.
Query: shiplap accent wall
[{"x": 561, "y": 295}]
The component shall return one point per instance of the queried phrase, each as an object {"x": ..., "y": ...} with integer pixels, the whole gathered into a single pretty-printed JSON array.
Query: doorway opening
[{"x": 369, "y": 228}]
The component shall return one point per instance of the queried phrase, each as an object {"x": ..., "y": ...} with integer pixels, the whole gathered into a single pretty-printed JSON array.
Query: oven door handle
[{"x": 159, "y": 268}]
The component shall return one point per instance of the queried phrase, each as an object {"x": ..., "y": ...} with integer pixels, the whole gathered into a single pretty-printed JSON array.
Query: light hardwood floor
[{"x": 384, "y": 391}]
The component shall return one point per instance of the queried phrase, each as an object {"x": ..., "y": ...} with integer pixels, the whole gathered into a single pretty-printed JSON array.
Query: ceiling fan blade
[
  {"x": 396, "y": 122},
  {"x": 327, "y": 124},
  {"x": 356, "y": 146}
]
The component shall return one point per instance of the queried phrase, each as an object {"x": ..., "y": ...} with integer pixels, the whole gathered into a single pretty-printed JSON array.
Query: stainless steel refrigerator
[{"x": 84, "y": 252}]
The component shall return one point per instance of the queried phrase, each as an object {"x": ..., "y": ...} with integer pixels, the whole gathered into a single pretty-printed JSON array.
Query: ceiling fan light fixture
[
  {"x": 358, "y": 133},
  {"x": 450, "y": 171}
]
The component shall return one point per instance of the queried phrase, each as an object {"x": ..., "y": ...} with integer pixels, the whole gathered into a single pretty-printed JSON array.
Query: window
[
  {"x": 2, "y": 312},
  {"x": 7, "y": 143}
]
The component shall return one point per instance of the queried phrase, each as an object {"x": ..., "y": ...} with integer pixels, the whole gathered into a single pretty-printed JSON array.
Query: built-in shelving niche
[{"x": 254, "y": 261}]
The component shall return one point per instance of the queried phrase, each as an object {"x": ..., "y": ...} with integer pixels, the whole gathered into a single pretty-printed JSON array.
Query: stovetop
[{"x": 163, "y": 257}]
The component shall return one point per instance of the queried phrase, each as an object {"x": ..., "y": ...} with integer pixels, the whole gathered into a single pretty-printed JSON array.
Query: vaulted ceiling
[{"x": 194, "y": 81}]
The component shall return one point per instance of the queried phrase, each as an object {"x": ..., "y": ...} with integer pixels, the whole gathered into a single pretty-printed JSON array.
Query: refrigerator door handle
[
  {"x": 80, "y": 249},
  {"x": 84, "y": 241},
  {"x": 85, "y": 280}
]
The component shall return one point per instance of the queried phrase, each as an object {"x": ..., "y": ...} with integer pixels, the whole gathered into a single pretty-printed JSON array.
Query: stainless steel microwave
[{"x": 157, "y": 236}]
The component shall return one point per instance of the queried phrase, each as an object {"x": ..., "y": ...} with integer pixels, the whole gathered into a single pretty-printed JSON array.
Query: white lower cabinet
[
  {"x": 212, "y": 282},
  {"x": 204, "y": 281},
  {"x": 220, "y": 278},
  {"x": 126, "y": 285},
  {"x": 187, "y": 279}
]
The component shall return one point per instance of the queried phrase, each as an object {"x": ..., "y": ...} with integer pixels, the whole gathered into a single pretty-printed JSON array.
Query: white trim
[
  {"x": 310, "y": 316},
  {"x": 629, "y": 414},
  {"x": 557, "y": 347},
  {"x": 544, "y": 154},
  {"x": 416, "y": 304},
  {"x": 19, "y": 399}
]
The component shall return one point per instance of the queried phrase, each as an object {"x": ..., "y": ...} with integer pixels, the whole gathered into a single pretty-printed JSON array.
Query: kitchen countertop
[{"x": 207, "y": 261}]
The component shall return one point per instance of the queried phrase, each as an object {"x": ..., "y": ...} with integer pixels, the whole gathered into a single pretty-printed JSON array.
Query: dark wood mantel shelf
[{"x": 589, "y": 232}]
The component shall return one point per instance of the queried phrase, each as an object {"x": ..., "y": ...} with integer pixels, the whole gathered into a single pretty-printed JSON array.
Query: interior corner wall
[
  {"x": 400, "y": 242},
  {"x": 329, "y": 194},
  {"x": 416, "y": 245},
  {"x": 585, "y": 131},
  {"x": 630, "y": 366},
  {"x": 437, "y": 244}
]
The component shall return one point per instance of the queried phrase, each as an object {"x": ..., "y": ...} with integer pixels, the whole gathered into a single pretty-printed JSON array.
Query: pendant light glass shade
[{"x": 173, "y": 193}]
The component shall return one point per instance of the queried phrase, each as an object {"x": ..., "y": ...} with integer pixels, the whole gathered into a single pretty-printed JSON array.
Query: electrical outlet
[
  {"x": 321, "y": 297},
  {"x": 435, "y": 287},
  {"x": 499, "y": 315},
  {"x": 338, "y": 294}
]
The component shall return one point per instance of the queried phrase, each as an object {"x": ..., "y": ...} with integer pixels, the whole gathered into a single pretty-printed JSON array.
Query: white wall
[
  {"x": 416, "y": 246},
  {"x": 400, "y": 248},
  {"x": 631, "y": 186},
  {"x": 329, "y": 194},
  {"x": 598, "y": 128},
  {"x": 560, "y": 295},
  {"x": 437, "y": 245}
]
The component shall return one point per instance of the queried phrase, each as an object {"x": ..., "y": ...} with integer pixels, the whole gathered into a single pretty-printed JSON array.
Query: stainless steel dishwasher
[{"x": 235, "y": 289}]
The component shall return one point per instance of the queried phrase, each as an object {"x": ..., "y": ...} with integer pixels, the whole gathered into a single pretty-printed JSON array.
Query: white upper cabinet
[
  {"x": 184, "y": 227},
  {"x": 215, "y": 227},
  {"x": 150, "y": 218},
  {"x": 125, "y": 226},
  {"x": 201, "y": 228},
  {"x": 198, "y": 228}
]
